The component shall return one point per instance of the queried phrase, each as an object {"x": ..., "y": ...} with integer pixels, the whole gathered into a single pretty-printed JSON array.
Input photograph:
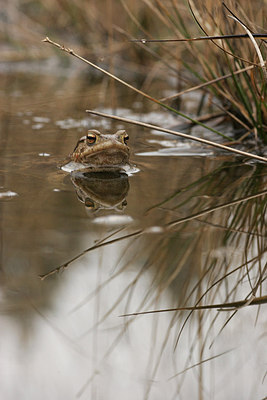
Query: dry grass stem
[
  {"x": 147, "y": 96},
  {"x": 200, "y": 38}
]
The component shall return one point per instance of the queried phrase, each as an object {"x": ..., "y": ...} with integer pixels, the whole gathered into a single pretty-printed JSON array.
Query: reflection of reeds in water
[
  {"x": 217, "y": 258},
  {"x": 231, "y": 256},
  {"x": 221, "y": 266}
]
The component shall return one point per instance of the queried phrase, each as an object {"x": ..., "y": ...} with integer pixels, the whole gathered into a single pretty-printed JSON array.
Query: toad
[{"x": 102, "y": 150}]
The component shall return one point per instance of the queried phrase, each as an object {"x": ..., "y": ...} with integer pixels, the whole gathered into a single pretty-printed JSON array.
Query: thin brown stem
[{"x": 233, "y": 305}]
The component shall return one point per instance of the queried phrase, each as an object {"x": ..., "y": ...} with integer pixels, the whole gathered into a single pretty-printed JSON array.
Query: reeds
[
  {"x": 231, "y": 70},
  {"x": 242, "y": 97}
]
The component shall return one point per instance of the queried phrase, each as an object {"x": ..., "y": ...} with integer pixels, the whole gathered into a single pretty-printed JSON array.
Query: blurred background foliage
[{"x": 102, "y": 30}]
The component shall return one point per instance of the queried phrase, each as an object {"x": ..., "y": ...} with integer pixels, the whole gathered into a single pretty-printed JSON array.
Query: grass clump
[{"x": 241, "y": 96}]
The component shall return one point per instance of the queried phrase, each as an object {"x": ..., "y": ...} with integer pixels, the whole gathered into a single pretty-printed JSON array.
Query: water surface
[{"x": 152, "y": 240}]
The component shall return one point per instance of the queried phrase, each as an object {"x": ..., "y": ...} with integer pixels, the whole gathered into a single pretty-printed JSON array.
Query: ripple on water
[
  {"x": 113, "y": 219},
  {"x": 175, "y": 148},
  {"x": 74, "y": 166},
  {"x": 44, "y": 154},
  {"x": 7, "y": 195}
]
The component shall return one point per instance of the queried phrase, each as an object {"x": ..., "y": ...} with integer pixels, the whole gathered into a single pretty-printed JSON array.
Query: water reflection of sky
[{"x": 61, "y": 351}]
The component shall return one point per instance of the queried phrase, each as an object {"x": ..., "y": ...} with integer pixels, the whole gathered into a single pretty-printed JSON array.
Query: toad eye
[
  {"x": 91, "y": 138},
  {"x": 125, "y": 138},
  {"x": 89, "y": 204}
]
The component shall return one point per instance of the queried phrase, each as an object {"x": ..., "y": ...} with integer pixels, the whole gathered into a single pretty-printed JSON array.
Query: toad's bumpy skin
[{"x": 102, "y": 150}]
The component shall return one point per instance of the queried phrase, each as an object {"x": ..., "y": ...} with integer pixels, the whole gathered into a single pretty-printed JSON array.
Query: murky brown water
[{"x": 62, "y": 337}]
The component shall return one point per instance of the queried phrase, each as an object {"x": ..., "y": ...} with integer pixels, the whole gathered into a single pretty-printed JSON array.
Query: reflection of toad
[
  {"x": 102, "y": 150},
  {"x": 101, "y": 190}
]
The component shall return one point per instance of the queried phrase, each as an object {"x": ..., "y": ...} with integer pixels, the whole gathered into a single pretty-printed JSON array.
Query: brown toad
[{"x": 102, "y": 150}]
